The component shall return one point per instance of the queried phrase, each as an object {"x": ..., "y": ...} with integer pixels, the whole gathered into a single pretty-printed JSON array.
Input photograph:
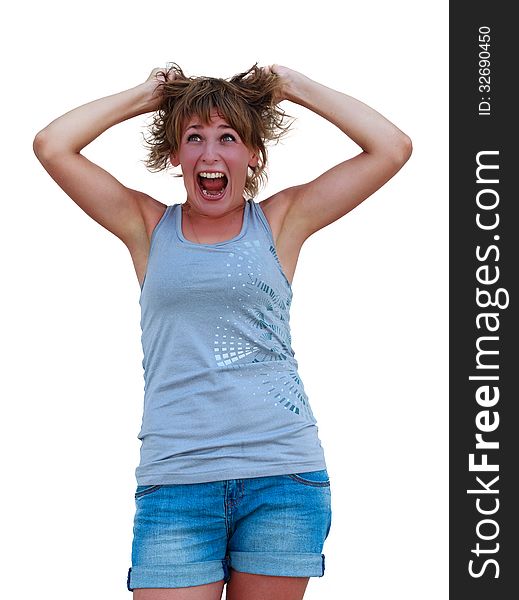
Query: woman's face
[{"x": 214, "y": 163}]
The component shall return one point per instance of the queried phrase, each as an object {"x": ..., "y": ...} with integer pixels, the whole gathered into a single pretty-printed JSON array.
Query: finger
[{"x": 170, "y": 69}]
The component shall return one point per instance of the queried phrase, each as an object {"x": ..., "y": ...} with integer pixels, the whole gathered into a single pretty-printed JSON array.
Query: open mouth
[{"x": 212, "y": 185}]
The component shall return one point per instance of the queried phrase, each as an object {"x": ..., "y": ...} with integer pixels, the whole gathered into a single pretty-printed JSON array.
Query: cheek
[
  {"x": 187, "y": 164},
  {"x": 239, "y": 163},
  {"x": 188, "y": 153}
]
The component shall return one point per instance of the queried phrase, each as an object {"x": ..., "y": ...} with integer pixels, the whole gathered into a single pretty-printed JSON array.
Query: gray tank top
[{"x": 222, "y": 395}]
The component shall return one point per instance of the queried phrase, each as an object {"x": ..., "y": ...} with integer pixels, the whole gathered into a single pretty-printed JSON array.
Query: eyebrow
[{"x": 201, "y": 127}]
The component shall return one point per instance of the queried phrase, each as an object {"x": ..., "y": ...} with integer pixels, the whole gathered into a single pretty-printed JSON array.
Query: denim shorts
[{"x": 192, "y": 534}]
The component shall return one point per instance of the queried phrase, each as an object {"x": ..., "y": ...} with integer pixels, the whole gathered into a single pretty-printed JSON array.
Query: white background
[{"x": 370, "y": 309}]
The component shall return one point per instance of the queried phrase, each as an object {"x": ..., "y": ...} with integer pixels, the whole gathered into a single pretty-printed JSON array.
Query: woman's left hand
[{"x": 290, "y": 81}]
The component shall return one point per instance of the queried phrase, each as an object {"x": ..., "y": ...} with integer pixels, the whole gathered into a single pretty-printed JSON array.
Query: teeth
[{"x": 211, "y": 175}]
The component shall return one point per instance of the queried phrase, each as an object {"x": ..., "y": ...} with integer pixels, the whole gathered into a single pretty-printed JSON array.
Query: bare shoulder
[
  {"x": 277, "y": 211},
  {"x": 151, "y": 211},
  {"x": 289, "y": 235},
  {"x": 274, "y": 209},
  {"x": 139, "y": 244}
]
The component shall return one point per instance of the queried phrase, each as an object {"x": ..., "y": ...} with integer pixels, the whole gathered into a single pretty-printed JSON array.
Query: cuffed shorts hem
[
  {"x": 258, "y": 563},
  {"x": 281, "y": 564},
  {"x": 177, "y": 576}
]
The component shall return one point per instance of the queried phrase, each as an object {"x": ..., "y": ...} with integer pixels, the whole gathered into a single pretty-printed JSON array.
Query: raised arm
[
  {"x": 385, "y": 149},
  {"x": 99, "y": 194}
]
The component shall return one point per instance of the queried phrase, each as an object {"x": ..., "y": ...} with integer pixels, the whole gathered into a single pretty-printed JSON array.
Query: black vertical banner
[{"x": 484, "y": 269}]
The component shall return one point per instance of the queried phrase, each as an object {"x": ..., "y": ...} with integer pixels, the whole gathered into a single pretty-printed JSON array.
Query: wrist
[
  {"x": 147, "y": 97},
  {"x": 300, "y": 90}
]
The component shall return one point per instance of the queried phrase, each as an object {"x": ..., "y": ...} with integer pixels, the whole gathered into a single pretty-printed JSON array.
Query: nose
[{"x": 210, "y": 152}]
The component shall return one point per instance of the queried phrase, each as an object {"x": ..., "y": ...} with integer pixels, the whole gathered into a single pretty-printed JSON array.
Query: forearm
[
  {"x": 364, "y": 125},
  {"x": 77, "y": 128}
]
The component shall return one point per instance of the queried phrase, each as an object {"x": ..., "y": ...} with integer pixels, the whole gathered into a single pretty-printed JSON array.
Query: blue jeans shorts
[{"x": 192, "y": 534}]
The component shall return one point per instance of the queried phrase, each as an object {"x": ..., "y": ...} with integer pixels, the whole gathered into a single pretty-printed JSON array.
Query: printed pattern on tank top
[{"x": 268, "y": 317}]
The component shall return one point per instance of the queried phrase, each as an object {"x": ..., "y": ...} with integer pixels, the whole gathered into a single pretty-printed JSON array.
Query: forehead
[{"x": 216, "y": 120}]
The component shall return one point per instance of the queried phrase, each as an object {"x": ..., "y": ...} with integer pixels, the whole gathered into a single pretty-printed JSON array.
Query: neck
[
  {"x": 206, "y": 228},
  {"x": 193, "y": 213}
]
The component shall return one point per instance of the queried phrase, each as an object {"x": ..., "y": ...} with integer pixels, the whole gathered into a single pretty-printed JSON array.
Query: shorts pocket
[
  {"x": 312, "y": 478},
  {"x": 143, "y": 490}
]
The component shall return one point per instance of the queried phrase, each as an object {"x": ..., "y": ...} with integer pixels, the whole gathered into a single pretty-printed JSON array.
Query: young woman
[{"x": 232, "y": 485}]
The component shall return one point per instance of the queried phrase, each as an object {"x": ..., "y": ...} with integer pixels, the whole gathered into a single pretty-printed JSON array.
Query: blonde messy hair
[{"x": 246, "y": 101}]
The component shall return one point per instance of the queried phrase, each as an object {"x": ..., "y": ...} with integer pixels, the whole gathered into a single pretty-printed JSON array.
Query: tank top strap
[{"x": 259, "y": 220}]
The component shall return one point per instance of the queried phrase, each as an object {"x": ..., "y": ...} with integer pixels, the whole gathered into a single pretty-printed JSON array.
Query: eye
[
  {"x": 193, "y": 135},
  {"x": 228, "y": 137}
]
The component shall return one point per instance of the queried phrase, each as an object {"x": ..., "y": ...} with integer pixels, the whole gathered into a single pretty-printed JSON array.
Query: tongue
[{"x": 213, "y": 185}]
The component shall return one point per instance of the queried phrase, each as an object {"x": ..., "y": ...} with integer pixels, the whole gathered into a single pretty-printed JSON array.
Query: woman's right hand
[{"x": 152, "y": 84}]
